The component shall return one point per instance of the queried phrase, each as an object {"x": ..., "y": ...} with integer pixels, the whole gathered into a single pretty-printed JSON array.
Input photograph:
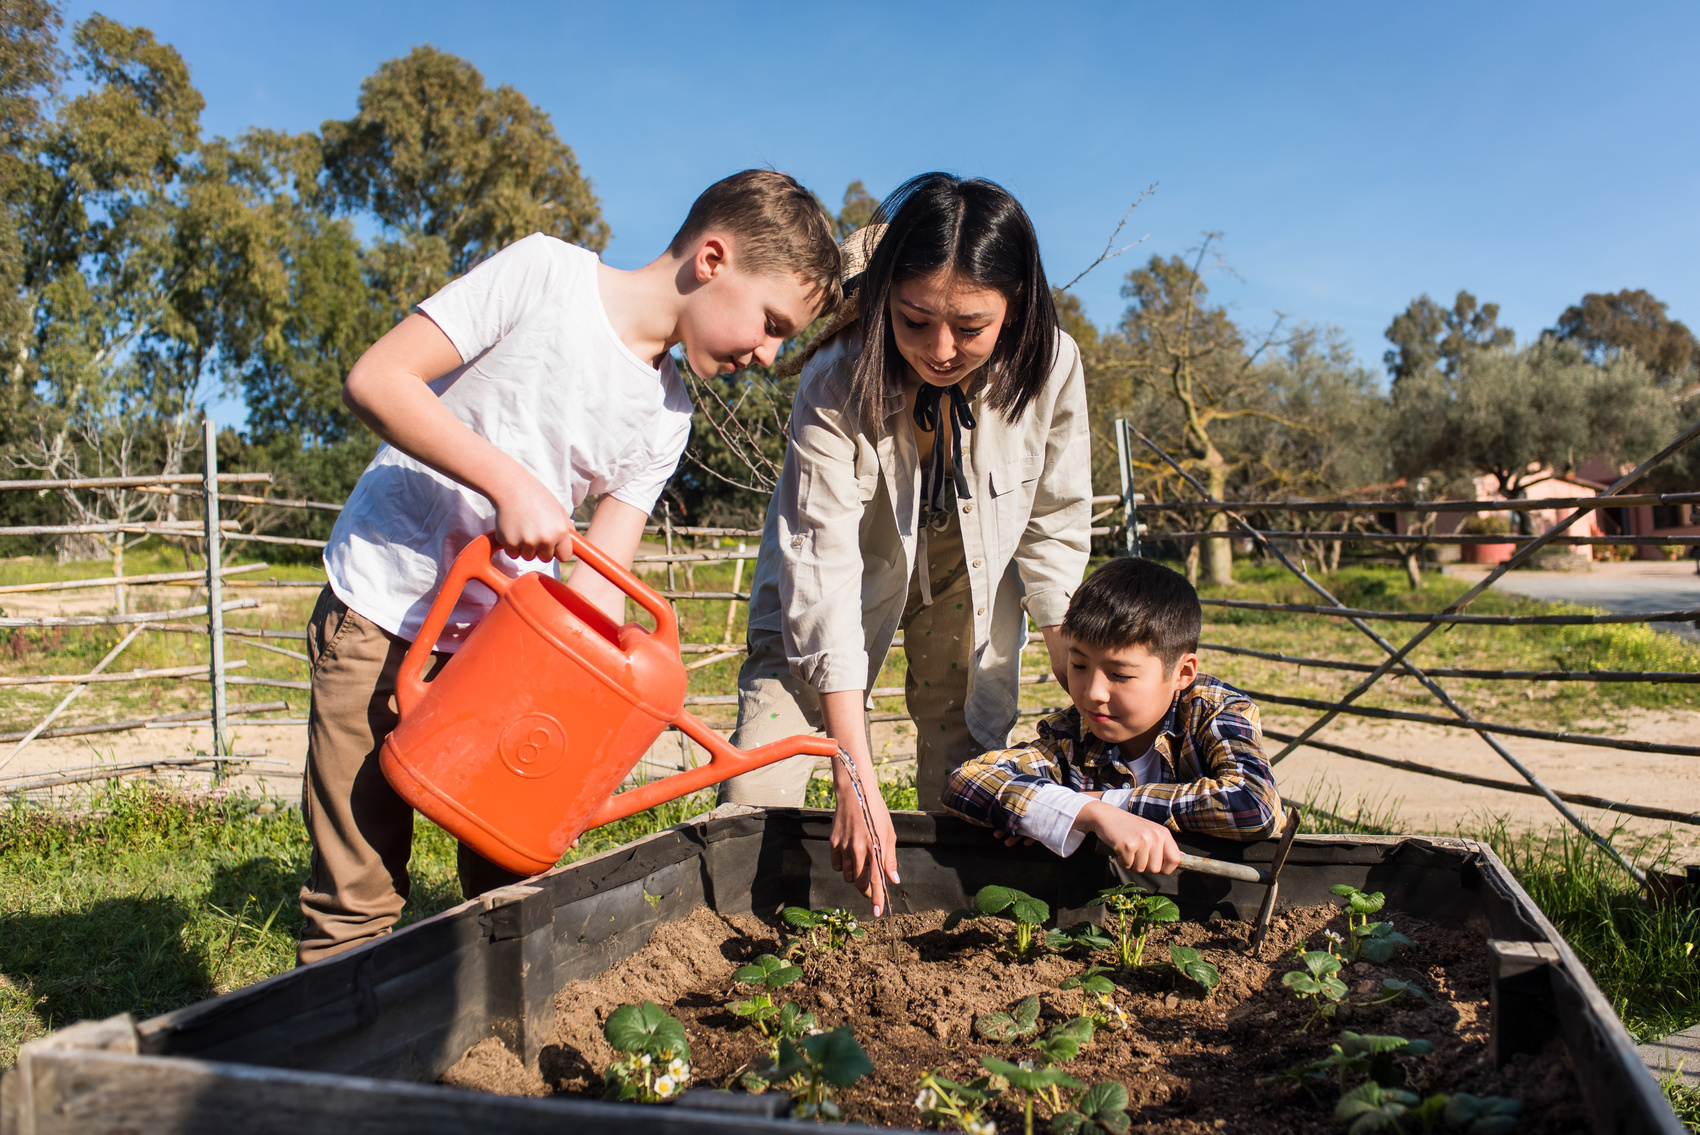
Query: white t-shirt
[{"x": 548, "y": 382}]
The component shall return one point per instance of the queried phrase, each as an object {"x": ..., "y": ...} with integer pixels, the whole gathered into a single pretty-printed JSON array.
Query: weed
[
  {"x": 1135, "y": 911},
  {"x": 1028, "y": 913},
  {"x": 1373, "y": 941},
  {"x": 1319, "y": 982},
  {"x": 1192, "y": 965},
  {"x": 657, "y": 1062}
]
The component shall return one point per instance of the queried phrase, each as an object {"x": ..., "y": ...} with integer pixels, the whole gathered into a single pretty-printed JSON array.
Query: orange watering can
[{"x": 518, "y": 743}]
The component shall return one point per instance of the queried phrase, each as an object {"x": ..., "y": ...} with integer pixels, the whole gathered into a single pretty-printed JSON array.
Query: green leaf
[
  {"x": 1069, "y": 1123},
  {"x": 1320, "y": 963},
  {"x": 1058, "y": 1049},
  {"x": 800, "y": 917},
  {"x": 1004, "y": 1026},
  {"x": 994, "y": 899},
  {"x": 757, "y": 1008},
  {"x": 1193, "y": 965},
  {"x": 1030, "y": 910},
  {"x": 1106, "y": 1104},
  {"x": 1371, "y": 1107},
  {"x": 1301, "y": 982},
  {"x": 1029, "y": 1079},
  {"x": 1160, "y": 909},
  {"x": 840, "y": 1059},
  {"x": 1393, "y": 987},
  {"x": 1080, "y": 1028},
  {"x": 955, "y": 917},
  {"x": 645, "y": 1028},
  {"x": 1381, "y": 948},
  {"x": 767, "y": 970}
]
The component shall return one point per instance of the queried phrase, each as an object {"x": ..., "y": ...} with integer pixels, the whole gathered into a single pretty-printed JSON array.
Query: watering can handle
[{"x": 477, "y": 561}]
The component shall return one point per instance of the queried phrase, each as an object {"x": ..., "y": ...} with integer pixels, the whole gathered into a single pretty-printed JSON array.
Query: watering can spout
[{"x": 520, "y": 742}]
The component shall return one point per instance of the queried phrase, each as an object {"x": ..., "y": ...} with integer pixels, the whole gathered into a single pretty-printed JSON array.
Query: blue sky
[{"x": 1352, "y": 156}]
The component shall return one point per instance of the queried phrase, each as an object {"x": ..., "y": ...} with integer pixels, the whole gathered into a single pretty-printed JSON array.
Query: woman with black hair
[{"x": 937, "y": 483}]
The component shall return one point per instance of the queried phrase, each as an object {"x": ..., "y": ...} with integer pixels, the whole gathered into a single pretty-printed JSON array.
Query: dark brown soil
[{"x": 1191, "y": 1065}]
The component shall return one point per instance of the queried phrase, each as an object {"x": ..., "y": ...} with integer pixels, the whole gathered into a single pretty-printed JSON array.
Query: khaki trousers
[
  {"x": 938, "y": 644},
  {"x": 362, "y": 832}
]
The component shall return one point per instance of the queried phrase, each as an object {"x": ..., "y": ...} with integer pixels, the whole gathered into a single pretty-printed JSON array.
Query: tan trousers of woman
[{"x": 938, "y": 643}]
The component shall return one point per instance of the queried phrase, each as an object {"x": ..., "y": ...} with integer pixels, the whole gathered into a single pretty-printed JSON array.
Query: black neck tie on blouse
[{"x": 927, "y": 416}]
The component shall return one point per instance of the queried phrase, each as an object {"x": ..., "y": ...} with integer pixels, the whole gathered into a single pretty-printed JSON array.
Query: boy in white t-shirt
[{"x": 538, "y": 378}]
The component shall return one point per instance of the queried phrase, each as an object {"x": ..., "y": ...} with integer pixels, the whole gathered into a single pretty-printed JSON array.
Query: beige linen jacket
[{"x": 839, "y": 546}]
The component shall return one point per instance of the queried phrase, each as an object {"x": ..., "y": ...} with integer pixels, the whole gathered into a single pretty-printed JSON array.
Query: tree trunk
[
  {"x": 1192, "y": 564},
  {"x": 1414, "y": 569},
  {"x": 118, "y": 572},
  {"x": 1218, "y": 553}
]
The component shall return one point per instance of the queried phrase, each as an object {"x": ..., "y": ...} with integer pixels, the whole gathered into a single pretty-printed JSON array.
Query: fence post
[
  {"x": 215, "y": 596},
  {"x": 1130, "y": 512}
]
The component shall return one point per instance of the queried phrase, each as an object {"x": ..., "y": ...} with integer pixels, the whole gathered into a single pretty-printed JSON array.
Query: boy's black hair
[
  {"x": 1135, "y": 602},
  {"x": 974, "y": 229}
]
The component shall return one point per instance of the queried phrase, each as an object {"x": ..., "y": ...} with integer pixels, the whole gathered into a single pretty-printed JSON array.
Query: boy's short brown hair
[
  {"x": 1135, "y": 602},
  {"x": 780, "y": 228}
]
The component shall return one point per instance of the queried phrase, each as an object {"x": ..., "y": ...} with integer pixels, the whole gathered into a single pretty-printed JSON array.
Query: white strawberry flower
[
  {"x": 665, "y": 1086},
  {"x": 978, "y": 1126}
]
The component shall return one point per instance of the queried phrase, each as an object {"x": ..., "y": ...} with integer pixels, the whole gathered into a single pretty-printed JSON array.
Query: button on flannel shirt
[{"x": 1215, "y": 778}]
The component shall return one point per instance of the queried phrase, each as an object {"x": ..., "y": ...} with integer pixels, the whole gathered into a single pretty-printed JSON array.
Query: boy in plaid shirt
[{"x": 1151, "y": 747}]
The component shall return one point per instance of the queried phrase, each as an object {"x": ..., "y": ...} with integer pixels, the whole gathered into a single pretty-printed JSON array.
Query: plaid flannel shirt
[{"x": 1215, "y": 779}]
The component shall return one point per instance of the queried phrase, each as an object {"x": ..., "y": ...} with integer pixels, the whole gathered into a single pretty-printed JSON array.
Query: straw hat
[{"x": 855, "y": 250}]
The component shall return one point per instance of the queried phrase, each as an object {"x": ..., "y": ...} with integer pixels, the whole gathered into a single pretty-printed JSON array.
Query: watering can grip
[
  {"x": 474, "y": 562},
  {"x": 725, "y": 762}
]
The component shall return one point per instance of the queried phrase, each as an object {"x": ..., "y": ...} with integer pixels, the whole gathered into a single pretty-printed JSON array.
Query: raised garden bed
[{"x": 360, "y": 1042}]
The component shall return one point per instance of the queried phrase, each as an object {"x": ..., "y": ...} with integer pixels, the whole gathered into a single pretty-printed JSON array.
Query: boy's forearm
[{"x": 616, "y": 529}]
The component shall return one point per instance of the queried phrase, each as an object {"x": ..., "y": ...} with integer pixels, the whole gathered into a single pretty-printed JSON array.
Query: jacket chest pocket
[{"x": 1015, "y": 472}]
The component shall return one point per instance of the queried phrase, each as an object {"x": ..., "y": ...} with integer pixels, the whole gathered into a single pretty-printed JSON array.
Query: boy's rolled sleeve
[
  {"x": 1003, "y": 789},
  {"x": 1224, "y": 785}
]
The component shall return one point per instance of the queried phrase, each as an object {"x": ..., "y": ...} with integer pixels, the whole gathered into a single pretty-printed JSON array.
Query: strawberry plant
[
  {"x": 1135, "y": 911},
  {"x": 1372, "y": 941},
  {"x": 1028, "y": 913},
  {"x": 1064, "y": 1042},
  {"x": 1031, "y": 1081},
  {"x": 776, "y": 1021},
  {"x": 1319, "y": 982},
  {"x": 1004, "y": 1025},
  {"x": 1101, "y": 1108},
  {"x": 1098, "y": 997},
  {"x": 1082, "y": 936},
  {"x": 1370, "y": 1107},
  {"x": 1192, "y": 965},
  {"x": 1392, "y": 988},
  {"x": 656, "y": 1066},
  {"x": 816, "y": 1065},
  {"x": 839, "y": 924},
  {"x": 1370, "y": 1056}
]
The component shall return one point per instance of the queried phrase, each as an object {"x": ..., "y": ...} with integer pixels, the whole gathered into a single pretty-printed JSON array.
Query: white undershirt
[{"x": 1051, "y": 812}]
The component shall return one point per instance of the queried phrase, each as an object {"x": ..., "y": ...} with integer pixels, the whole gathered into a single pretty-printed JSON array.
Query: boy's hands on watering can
[{"x": 852, "y": 847}]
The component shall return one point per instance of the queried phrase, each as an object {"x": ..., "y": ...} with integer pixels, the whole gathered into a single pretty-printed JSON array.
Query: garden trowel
[{"x": 1269, "y": 877}]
